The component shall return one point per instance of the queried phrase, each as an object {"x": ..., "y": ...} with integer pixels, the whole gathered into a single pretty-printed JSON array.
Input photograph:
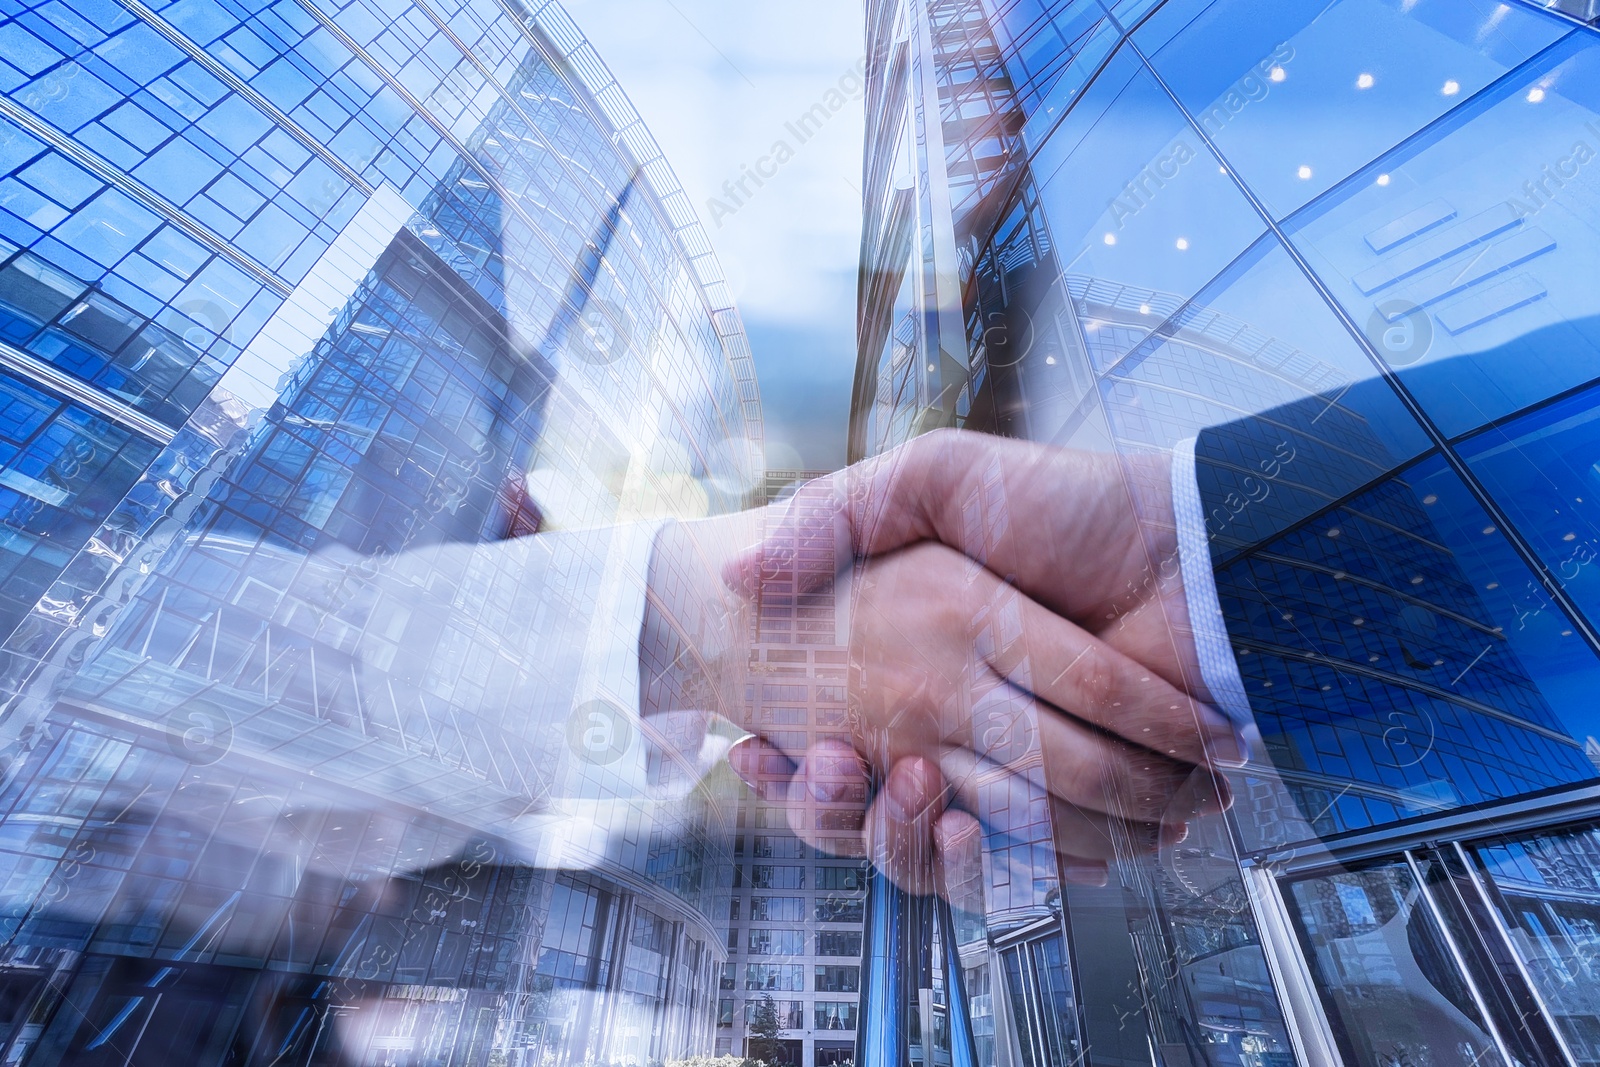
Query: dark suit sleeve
[{"x": 1268, "y": 473}]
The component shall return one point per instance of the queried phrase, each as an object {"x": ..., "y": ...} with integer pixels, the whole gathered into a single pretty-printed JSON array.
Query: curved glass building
[
  {"x": 303, "y": 305},
  {"x": 1350, "y": 245}
]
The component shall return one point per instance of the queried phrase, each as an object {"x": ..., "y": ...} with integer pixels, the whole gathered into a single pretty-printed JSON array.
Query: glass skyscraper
[
  {"x": 303, "y": 307},
  {"x": 1348, "y": 246},
  {"x": 794, "y": 926}
]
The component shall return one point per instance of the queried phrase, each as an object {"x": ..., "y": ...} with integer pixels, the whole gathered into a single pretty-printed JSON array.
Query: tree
[
  {"x": 715, "y": 1061},
  {"x": 761, "y": 1042}
]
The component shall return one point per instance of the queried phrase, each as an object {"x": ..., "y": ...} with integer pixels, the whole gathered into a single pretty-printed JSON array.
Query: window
[
  {"x": 835, "y": 1015},
  {"x": 1498, "y": 332},
  {"x": 830, "y": 694},
  {"x": 783, "y": 692},
  {"x": 781, "y": 848},
  {"x": 772, "y": 819},
  {"x": 837, "y": 978},
  {"x": 1532, "y": 874},
  {"x": 1215, "y": 58},
  {"x": 839, "y": 943},
  {"x": 851, "y": 878},
  {"x": 777, "y": 942},
  {"x": 839, "y": 819},
  {"x": 769, "y": 977},
  {"x": 778, "y": 909},
  {"x": 1340, "y": 910},
  {"x": 1471, "y": 617},
  {"x": 791, "y": 1013},
  {"x": 1532, "y": 468},
  {"x": 765, "y": 876},
  {"x": 841, "y": 910},
  {"x": 843, "y": 847},
  {"x": 725, "y": 1011}
]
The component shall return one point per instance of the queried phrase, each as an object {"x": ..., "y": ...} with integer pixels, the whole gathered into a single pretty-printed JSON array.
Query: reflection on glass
[
  {"x": 1446, "y": 248},
  {"x": 279, "y": 786},
  {"x": 1042, "y": 1002},
  {"x": 1328, "y": 243},
  {"x": 1175, "y": 225},
  {"x": 1392, "y": 990},
  {"x": 1297, "y": 96},
  {"x": 1400, "y": 659},
  {"x": 1544, "y": 469},
  {"x": 1548, "y": 897}
]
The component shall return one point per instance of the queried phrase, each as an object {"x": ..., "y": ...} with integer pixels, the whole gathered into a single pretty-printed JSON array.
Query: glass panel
[
  {"x": 1392, "y": 990},
  {"x": 259, "y": 829},
  {"x": 1133, "y": 197},
  {"x": 1257, "y": 339},
  {"x": 1544, "y": 469},
  {"x": 1462, "y": 255},
  {"x": 1299, "y": 95},
  {"x": 1547, "y": 889},
  {"x": 1400, "y": 660},
  {"x": 1058, "y": 1010}
]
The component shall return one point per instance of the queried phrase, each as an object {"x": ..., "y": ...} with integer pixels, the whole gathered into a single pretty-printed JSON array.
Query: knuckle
[
  {"x": 1146, "y": 784},
  {"x": 1168, "y": 735},
  {"x": 1095, "y": 782},
  {"x": 1094, "y": 682}
]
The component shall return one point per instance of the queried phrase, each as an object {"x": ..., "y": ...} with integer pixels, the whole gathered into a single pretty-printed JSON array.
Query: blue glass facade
[
  {"x": 302, "y": 309},
  {"x": 1344, "y": 246}
]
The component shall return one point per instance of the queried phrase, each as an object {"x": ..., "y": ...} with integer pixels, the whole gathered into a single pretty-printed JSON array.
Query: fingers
[
  {"x": 814, "y": 521},
  {"x": 762, "y": 766},
  {"x": 1090, "y": 770},
  {"x": 828, "y": 777},
  {"x": 1120, "y": 741},
  {"x": 1072, "y": 669},
  {"x": 1129, "y": 743},
  {"x": 918, "y": 836},
  {"x": 933, "y": 633},
  {"x": 900, "y": 823},
  {"x": 920, "y": 829},
  {"x": 1077, "y": 530},
  {"x": 907, "y": 831},
  {"x": 1081, "y": 836},
  {"x": 947, "y": 654},
  {"x": 958, "y": 850}
]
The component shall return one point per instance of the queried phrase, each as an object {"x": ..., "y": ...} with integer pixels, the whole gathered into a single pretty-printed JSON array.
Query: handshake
[{"x": 988, "y": 581}]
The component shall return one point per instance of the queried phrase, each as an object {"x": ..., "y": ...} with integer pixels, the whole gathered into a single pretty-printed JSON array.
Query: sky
[{"x": 719, "y": 83}]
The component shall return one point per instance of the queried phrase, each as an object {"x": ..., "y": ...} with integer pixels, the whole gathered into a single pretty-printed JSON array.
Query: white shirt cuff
[
  {"x": 1214, "y": 651},
  {"x": 610, "y": 670}
]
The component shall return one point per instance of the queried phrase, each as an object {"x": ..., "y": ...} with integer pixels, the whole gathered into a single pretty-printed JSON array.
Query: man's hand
[
  {"x": 1088, "y": 535},
  {"x": 958, "y": 681},
  {"x": 1002, "y": 588}
]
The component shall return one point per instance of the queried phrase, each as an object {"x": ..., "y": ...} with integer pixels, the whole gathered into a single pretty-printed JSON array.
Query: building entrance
[{"x": 1474, "y": 945}]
